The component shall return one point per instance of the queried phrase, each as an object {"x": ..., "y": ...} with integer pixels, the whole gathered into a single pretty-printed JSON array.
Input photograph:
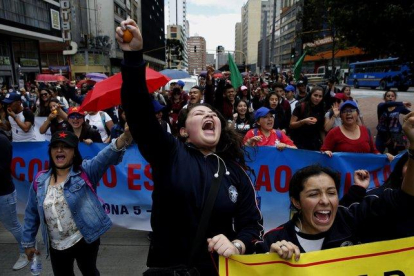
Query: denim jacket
[{"x": 89, "y": 215}]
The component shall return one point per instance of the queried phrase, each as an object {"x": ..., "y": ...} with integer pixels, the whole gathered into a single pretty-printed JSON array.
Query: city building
[
  {"x": 221, "y": 57},
  {"x": 196, "y": 46},
  {"x": 210, "y": 59},
  {"x": 20, "y": 36},
  {"x": 238, "y": 44},
  {"x": 251, "y": 23},
  {"x": 178, "y": 16},
  {"x": 175, "y": 46},
  {"x": 152, "y": 28}
]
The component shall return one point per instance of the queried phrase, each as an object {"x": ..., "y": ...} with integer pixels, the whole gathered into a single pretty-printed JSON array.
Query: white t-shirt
[
  {"x": 95, "y": 120},
  {"x": 18, "y": 134}
]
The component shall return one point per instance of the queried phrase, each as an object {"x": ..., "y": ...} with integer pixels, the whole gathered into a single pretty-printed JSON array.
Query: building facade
[
  {"x": 251, "y": 23},
  {"x": 196, "y": 46},
  {"x": 210, "y": 60},
  {"x": 175, "y": 48},
  {"x": 178, "y": 16},
  {"x": 23, "y": 26},
  {"x": 238, "y": 44}
]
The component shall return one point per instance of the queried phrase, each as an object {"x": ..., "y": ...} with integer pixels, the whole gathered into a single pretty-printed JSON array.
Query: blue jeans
[{"x": 8, "y": 217}]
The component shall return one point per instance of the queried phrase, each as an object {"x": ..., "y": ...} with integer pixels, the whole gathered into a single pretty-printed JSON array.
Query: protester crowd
[{"x": 195, "y": 142}]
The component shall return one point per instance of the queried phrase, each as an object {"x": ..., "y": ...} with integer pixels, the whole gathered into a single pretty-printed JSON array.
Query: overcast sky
[{"x": 214, "y": 20}]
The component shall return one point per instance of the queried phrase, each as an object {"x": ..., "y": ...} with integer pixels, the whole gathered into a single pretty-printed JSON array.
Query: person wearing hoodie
[{"x": 183, "y": 170}]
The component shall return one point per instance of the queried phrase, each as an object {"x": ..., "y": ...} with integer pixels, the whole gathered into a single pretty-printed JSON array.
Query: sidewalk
[{"x": 122, "y": 252}]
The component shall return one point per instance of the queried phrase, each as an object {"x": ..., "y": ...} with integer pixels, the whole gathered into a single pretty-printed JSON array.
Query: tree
[
  {"x": 381, "y": 28},
  {"x": 174, "y": 48},
  {"x": 318, "y": 21}
]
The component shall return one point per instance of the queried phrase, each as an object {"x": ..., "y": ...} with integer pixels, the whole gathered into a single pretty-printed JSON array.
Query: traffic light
[{"x": 292, "y": 53}]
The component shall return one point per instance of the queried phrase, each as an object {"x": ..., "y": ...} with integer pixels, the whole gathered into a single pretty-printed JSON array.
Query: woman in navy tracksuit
[
  {"x": 183, "y": 170},
  {"x": 321, "y": 223}
]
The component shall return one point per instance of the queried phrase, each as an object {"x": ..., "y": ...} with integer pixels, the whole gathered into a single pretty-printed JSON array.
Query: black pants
[{"x": 85, "y": 255}]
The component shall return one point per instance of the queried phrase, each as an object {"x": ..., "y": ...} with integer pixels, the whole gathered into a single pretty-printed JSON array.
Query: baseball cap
[
  {"x": 64, "y": 136},
  {"x": 157, "y": 106},
  {"x": 11, "y": 97},
  {"x": 290, "y": 88},
  {"x": 299, "y": 83},
  {"x": 75, "y": 110},
  {"x": 262, "y": 112},
  {"x": 243, "y": 88},
  {"x": 181, "y": 83},
  {"x": 348, "y": 103}
]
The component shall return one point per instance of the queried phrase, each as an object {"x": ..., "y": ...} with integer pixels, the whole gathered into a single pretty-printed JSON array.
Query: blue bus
[{"x": 383, "y": 73}]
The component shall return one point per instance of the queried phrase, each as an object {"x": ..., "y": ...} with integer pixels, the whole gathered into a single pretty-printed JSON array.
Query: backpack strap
[
  {"x": 36, "y": 181},
  {"x": 255, "y": 131},
  {"x": 85, "y": 177}
]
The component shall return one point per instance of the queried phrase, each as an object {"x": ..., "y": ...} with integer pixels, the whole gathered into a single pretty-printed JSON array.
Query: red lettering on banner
[
  {"x": 32, "y": 170},
  {"x": 375, "y": 178},
  {"x": 263, "y": 173},
  {"x": 288, "y": 175},
  {"x": 19, "y": 160},
  {"x": 386, "y": 172},
  {"x": 105, "y": 180},
  {"x": 133, "y": 176},
  {"x": 347, "y": 183},
  {"x": 148, "y": 174}
]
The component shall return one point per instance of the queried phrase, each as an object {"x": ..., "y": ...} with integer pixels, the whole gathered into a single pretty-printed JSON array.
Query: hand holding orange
[{"x": 127, "y": 36}]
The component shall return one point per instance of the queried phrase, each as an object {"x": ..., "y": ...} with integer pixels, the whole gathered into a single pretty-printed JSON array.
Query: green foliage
[{"x": 381, "y": 28}]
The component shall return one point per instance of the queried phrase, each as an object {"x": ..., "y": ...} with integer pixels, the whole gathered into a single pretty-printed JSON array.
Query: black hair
[
  {"x": 278, "y": 85},
  {"x": 199, "y": 88},
  {"x": 76, "y": 163},
  {"x": 386, "y": 92},
  {"x": 121, "y": 121},
  {"x": 395, "y": 179},
  {"x": 345, "y": 87},
  {"x": 230, "y": 145},
  {"x": 296, "y": 184},
  {"x": 248, "y": 113},
  {"x": 228, "y": 86},
  {"x": 176, "y": 90}
]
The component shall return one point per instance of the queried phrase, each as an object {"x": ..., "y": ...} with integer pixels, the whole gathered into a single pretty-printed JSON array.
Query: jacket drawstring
[{"x": 216, "y": 175}]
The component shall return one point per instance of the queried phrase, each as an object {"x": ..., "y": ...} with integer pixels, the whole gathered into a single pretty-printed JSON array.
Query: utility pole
[{"x": 272, "y": 50}]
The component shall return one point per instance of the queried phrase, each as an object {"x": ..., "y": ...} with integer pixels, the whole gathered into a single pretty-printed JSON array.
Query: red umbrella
[
  {"x": 89, "y": 82},
  {"x": 61, "y": 78},
  {"x": 218, "y": 75},
  {"x": 46, "y": 78},
  {"x": 107, "y": 93}
]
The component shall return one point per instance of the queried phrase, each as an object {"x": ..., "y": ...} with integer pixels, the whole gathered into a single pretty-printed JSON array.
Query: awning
[{"x": 353, "y": 51}]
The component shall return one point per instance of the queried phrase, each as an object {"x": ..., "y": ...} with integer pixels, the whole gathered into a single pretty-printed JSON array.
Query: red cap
[{"x": 76, "y": 110}]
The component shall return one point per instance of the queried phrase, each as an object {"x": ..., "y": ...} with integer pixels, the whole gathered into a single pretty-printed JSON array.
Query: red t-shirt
[
  {"x": 336, "y": 141},
  {"x": 268, "y": 141}
]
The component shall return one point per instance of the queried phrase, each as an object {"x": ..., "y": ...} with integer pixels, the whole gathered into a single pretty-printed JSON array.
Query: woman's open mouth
[{"x": 322, "y": 216}]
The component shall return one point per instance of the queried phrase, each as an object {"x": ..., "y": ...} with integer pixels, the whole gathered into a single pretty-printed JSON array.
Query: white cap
[{"x": 243, "y": 88}]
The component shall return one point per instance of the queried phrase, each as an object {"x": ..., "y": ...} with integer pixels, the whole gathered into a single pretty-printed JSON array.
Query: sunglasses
[
  {"x": 43, "y": 94},
  {"x": 75, "y": 116},
  {"x": 349, "y": 111}
]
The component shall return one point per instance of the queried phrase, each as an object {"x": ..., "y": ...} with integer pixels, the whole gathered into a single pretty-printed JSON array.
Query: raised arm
[{"x": 153, "y": 142}]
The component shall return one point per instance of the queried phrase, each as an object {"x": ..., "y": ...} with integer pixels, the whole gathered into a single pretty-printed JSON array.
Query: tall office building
[
  {"x": 210, "y": 60},
  {"x": 238, "y": 44},
  {"x": 178, "y": 16},
  {"x": 21, "y": 34},
  {"x": 251, "y": 23},
  {"x": 196, "y": 46}
]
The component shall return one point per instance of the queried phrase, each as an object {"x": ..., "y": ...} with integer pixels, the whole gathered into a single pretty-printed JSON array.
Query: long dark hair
[
  {"x": 230, "y": 145},
  {"x": 308, "y": 102},
  {"x": 76, "y": 164},
  {"x": 248, "y": 113}
]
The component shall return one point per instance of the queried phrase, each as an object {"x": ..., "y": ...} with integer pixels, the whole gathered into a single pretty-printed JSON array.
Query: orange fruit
[
  {"x": 127, "y": 36},
  {"x": 54, "y": 111}
]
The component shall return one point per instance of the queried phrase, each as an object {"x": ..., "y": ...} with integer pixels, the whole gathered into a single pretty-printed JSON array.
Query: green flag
[
  {"x": 298, "y": 66},
  {"x": 235, "y": 76}
]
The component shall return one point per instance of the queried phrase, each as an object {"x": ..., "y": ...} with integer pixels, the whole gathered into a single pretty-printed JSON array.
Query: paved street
[{"x": 123, "y": 252}]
